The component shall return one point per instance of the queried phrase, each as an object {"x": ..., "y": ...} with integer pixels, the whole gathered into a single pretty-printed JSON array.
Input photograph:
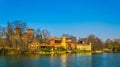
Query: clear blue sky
[{"x": 75, "y": 17}]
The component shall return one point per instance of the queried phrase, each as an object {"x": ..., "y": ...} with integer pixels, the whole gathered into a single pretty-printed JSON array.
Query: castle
[
  {"x": 27, "y": 41},
  {"x": 67, "y": 43}
]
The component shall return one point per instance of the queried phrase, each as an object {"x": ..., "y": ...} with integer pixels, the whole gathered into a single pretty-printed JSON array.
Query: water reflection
[
  {"x": 106, "y": 60},
  {"x": 84, "y": 60},
  {"x": 84, "y": 54},
  {"x": 22, "y": 60},
  {"x": 61, "y": 60}
]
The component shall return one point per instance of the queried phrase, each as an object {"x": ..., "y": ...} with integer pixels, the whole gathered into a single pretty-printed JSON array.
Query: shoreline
[{"x": 56, "y": 52}]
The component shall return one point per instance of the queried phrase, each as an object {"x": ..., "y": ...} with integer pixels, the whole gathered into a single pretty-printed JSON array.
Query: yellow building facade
[
  {"x": 68, "y": 44},
  {"x": 84, "y": 46}
]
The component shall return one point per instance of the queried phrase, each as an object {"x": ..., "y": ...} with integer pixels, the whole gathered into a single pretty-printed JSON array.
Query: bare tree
[
  {"x": 38, "y": 36},
  {"x": 45, "y": 36},
  {"x": 96, "y": 42},
  {"x": 19, "y": 24},
  {"x": 73, "y": 38},
  {"x": 108, "y": 43},
  {"x": 9, "y": 33},
  {"x": 3, "y": 30},
  {"x": 11, "y": 27}
]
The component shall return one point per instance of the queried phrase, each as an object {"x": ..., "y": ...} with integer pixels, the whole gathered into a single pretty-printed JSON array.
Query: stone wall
[{"x": 86, "y": 47}]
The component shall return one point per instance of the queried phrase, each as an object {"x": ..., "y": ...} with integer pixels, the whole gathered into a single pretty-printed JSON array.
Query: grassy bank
[
  {"x": 43, "y": 51},
  {"x": 46, "y": 51}
]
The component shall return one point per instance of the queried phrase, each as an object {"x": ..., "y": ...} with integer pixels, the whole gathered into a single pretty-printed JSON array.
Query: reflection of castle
[
  {"x": 24, "y": 41},
  {"x": 63, "y": 60}
]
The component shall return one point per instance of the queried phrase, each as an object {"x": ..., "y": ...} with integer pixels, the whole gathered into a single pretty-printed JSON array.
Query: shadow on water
[{"x": 61, "y": 60}]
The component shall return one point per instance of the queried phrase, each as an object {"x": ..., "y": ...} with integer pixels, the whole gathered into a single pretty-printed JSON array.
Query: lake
[{"x": 61, "y": 60}]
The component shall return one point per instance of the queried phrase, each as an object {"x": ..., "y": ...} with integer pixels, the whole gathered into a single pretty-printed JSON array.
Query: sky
[{"x": 75, "y": 17}]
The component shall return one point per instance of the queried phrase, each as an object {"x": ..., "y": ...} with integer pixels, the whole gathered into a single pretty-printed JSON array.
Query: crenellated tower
[{"x": 30, "y": 33}]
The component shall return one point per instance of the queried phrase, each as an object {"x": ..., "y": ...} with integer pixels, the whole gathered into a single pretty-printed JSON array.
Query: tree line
[{"x": 42, "y": 36}]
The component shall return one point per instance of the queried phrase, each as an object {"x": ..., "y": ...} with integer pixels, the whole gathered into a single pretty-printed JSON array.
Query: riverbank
[{"x": 12, "y": 52}]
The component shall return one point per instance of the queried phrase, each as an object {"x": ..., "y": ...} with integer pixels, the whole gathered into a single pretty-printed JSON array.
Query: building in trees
[
  {"x": 67, "y": 43},
  {"x": 61, "y": 43}
]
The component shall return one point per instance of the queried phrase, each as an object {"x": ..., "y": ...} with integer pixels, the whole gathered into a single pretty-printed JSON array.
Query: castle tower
[
  {"x": 18, "y": 30},
  {"x": 30, "y": 33},
  {"x": 17, "y": 33},
  {"x": 90, "y": 44},
  {"x": 63, "y": 43}
]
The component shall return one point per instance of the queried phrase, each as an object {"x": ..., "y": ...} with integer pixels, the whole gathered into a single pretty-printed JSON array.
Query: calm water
[{"x": 63, "y": 60}]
